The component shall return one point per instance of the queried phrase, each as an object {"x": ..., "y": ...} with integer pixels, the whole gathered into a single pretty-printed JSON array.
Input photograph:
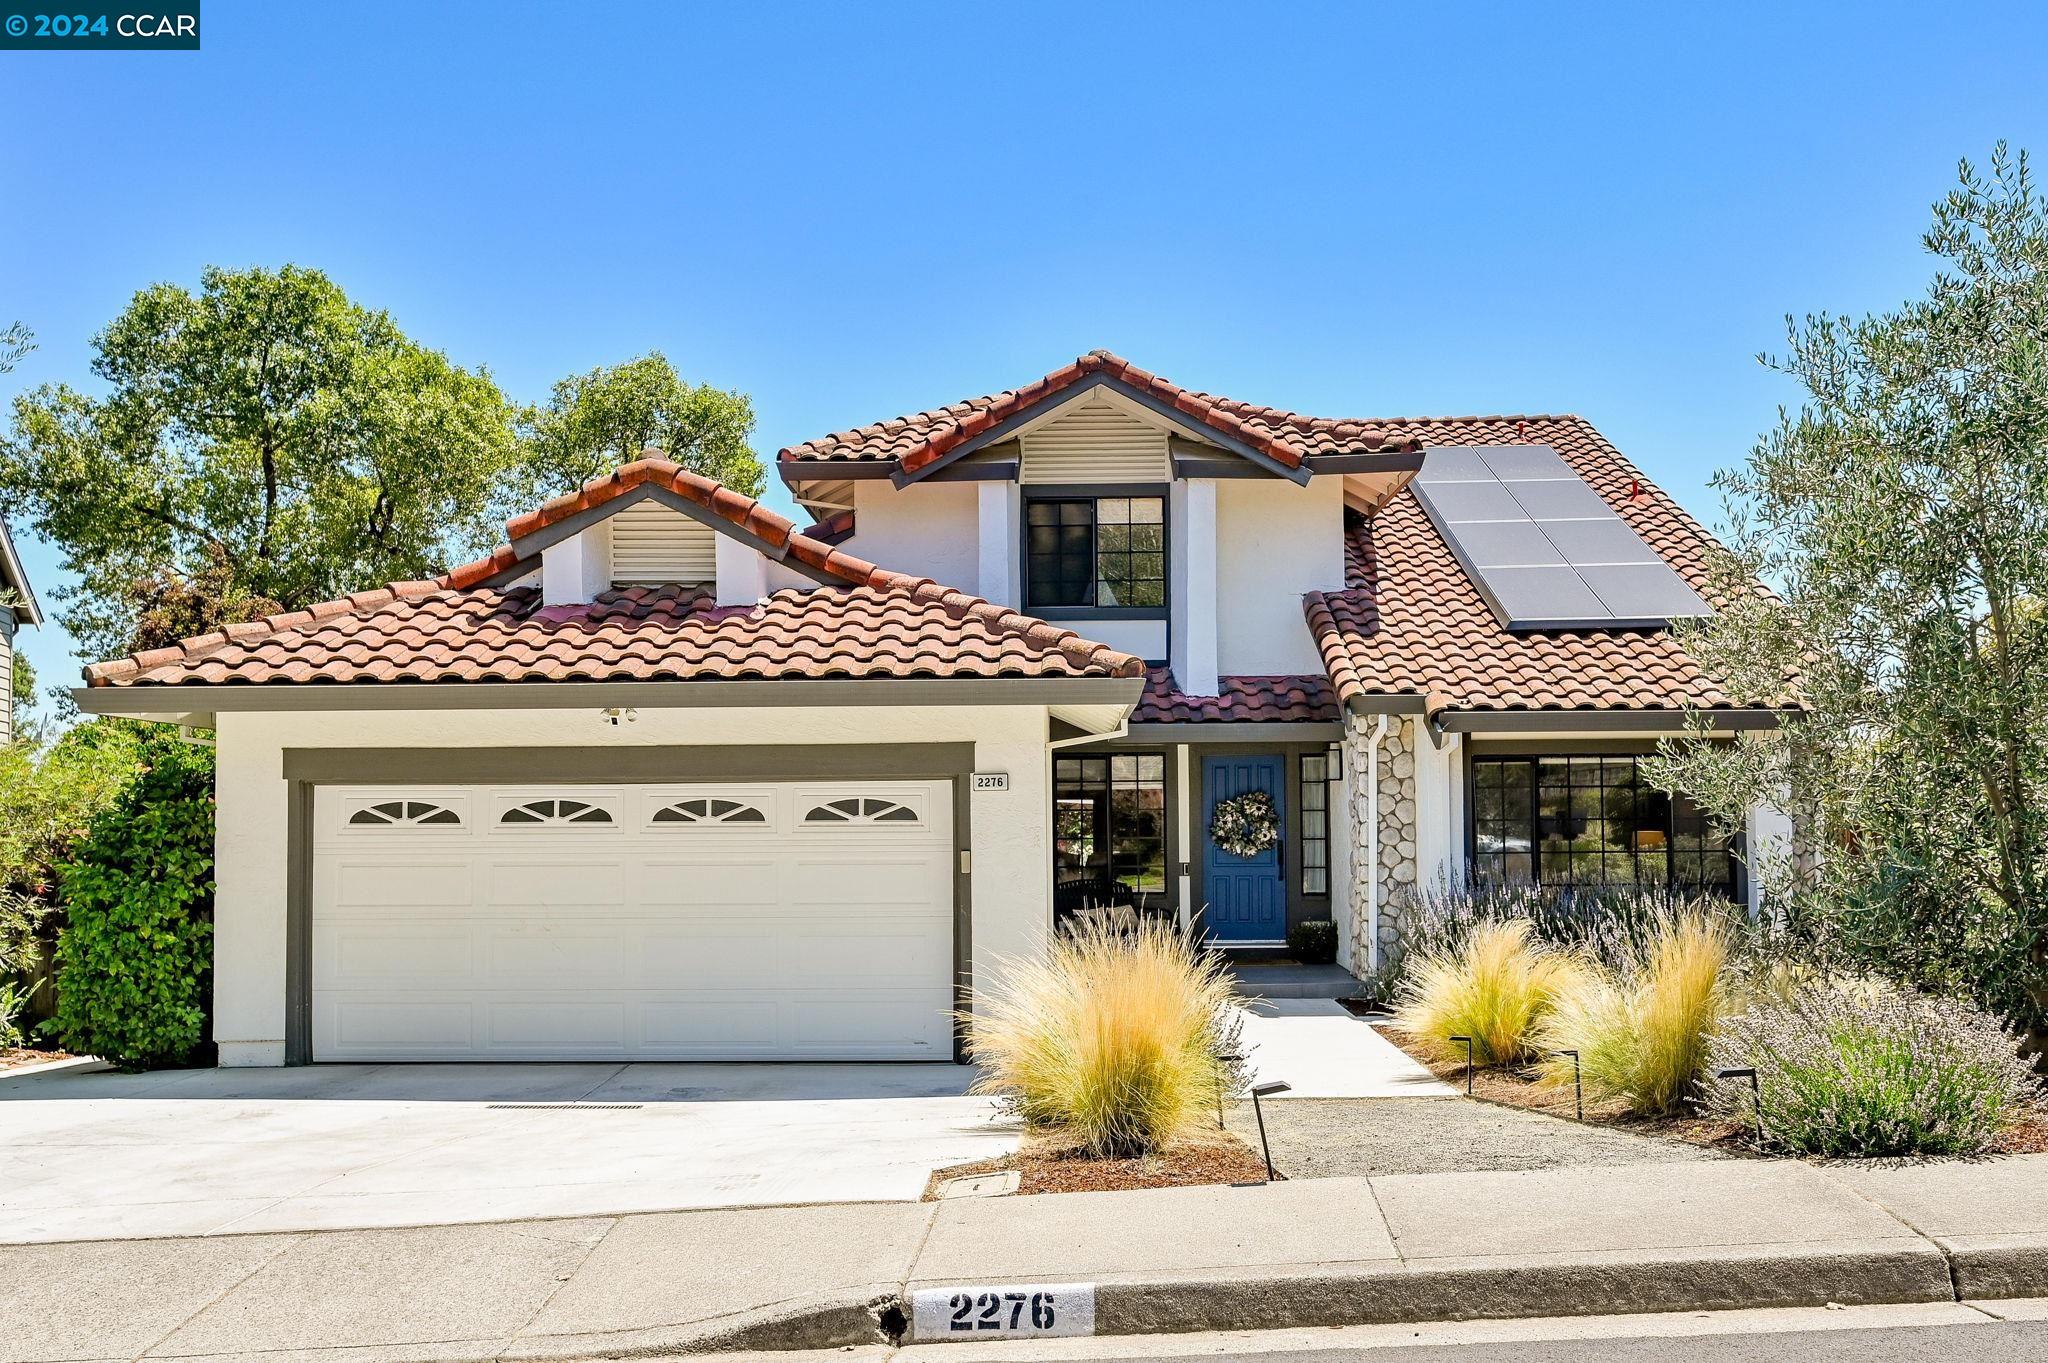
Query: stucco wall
[
  {"x": 1274, "y": 542},
  {"x": 930, "y": 529},
  {"x": 1012, "y": 857}
]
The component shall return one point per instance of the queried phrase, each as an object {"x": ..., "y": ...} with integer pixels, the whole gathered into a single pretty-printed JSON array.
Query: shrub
[
  {"x": 1642, "y": 1028},
  {"x": 1611, "y": 925},
  {"x": 1314, "y": 941},
  {"x": 1496, "y": 986},
  {"x": 1118, "y": 1037},
  {"x": 1871, "y": 1069},
  {"x": 48, "y": 796},
  {"x": 135, "y": 954}
]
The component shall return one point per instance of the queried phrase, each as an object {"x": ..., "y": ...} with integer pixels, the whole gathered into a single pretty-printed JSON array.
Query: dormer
[
  {"x": 1175, "y": 525},
  {"x": 650, "y": 526}
]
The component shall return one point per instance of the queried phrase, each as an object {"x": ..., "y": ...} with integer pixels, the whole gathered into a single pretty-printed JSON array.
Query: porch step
[{"x": 1293, "y": 980}]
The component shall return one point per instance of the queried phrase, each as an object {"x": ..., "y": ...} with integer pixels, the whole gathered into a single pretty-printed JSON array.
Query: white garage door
[{"x": 688, "y": 922}]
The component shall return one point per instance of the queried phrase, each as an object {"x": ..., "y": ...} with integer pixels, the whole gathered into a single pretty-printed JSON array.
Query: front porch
[
  {"x": 1131, "y": 830},
  {"x": 1294, "y": 980}
]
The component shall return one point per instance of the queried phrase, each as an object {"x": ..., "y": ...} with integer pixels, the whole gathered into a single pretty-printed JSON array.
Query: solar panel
[{"x": 1545, "y": 550}]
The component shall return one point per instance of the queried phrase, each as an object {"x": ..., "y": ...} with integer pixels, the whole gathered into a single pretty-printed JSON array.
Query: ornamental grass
[
  {"x": 1642, "y": 1027},
  {"x": 1496, "y": 984},
  {"x": 1119, "y": 1038}
]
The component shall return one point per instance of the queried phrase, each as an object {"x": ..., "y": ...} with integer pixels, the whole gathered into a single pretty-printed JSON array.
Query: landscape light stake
[
  {"x": 1468, "y": 1062},
  {"x": 1756, "y": 1096},
  {"x": 1266, "y": 1090},
  {"x": 1226, "y": 1058},
  {"x": 1578, "y": 1088}
]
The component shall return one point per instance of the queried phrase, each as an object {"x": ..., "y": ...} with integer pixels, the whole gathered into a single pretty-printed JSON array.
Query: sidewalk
[{"x": 1696, "y": 1236}]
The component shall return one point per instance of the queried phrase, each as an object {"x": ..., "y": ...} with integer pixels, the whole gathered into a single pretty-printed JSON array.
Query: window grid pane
[
  {"x": 1572, "y": 822},
  {"x": 1315, "y": 824}
]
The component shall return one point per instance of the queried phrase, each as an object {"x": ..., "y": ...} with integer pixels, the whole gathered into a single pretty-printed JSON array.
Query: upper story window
[{"x": 1107, "y": 553}]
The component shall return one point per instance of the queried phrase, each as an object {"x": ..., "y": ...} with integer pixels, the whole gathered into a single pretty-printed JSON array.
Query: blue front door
[{"x": 1246, "y": 896}]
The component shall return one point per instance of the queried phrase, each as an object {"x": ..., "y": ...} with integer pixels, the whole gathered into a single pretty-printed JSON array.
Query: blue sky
[{"x": 852, "y": 211}]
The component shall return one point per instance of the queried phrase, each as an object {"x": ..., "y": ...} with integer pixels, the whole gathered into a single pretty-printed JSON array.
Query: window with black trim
[
  {"x": 1109, "y": 832},
  {"x": 1315, "y": 823},
  {"x": 1572, "y": 822},
  {"x": 1104, "y": 552}
]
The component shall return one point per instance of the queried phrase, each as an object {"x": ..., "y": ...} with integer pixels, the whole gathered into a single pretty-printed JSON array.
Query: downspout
[{"x": 1372, "y": 840}]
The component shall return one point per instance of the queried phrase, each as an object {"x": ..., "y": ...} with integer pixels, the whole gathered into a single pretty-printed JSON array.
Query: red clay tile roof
[
  {"x": 921, "y": 439},
  {"x": 1244, "y": 700},
  {"x": 457, "y": 628},
  {"x": 1410, "y": 622}
]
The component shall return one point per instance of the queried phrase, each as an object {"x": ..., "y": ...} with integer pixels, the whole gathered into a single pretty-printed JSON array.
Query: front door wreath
[{"x": 1245, "y": 825}]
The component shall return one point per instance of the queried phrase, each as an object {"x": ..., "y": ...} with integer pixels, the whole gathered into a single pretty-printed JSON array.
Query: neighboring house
[
  {"x": 667, "y": 778},
  {"x": 17, "y": 608}
]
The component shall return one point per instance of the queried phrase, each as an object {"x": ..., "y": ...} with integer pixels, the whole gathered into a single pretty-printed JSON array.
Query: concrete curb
[
  {"x": 1619, "y": 1283},
  {"x": 821, "y": 1321},
  {"x": 1538, "y": 1285},
  {"x": 1992, "y": 1266}
]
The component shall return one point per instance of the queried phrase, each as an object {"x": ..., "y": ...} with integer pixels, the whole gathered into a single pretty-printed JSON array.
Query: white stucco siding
[
  {"x": 928, "y": 529},
  {"x": 1275, "y": 542},
  {"x": 1439, "y": 810},
  {"x": 1010, "y": 874}
]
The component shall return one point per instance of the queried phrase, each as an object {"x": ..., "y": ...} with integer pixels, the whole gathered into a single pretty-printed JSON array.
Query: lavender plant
[{"x": 1870, "y": 1069}]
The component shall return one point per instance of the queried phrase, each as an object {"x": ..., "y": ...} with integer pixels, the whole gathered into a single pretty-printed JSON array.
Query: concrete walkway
[
  {"x": 1326, "y": 1051},
  {"x": 1724, "y": 1234},
  {"x": 90, "y": 1154}
]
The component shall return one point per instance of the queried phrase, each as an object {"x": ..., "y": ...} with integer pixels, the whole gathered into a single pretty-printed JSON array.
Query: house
[
  {"x": 17, "y": 608},
  {"x": 668, "y": 778}
]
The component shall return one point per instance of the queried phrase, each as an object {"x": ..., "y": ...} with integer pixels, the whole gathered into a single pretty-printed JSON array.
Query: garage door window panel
[
  {"x": 865, "y": 809},
  {"x": 733, "y": 814},
  {"x": 557, "y": 813}
]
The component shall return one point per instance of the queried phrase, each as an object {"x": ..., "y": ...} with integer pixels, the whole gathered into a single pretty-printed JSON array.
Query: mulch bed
[
  {"x": 1518, "y": 1088},
  {"x": 1048, "y": 1164},
  {"x": 13, "y": 1056}
]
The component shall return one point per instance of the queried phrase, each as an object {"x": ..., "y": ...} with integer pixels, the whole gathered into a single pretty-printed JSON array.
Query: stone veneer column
[{"x": 1397, "y": 869}]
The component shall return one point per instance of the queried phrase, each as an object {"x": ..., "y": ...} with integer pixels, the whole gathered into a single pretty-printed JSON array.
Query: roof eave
[{"x": 200, "y": 702}]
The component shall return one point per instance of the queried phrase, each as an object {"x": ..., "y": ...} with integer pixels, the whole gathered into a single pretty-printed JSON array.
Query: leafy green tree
[
  {"x": 597, "y": 421},
  {"x": 265, "y": 428},
  {"x": 16, "y": 341},
  {"x": 1902, "y": 513},
  {"x": 135, "y": 956}
]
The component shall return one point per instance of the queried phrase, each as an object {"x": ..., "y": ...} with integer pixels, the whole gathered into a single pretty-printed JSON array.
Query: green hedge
[{"x": 135, "y": 957}]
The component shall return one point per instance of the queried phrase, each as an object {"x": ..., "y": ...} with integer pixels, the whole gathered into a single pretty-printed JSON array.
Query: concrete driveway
[{"x": 88, "y": 1154}]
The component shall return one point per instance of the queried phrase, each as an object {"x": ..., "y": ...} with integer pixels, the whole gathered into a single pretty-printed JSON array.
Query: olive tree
[{"x": 1901, "y": 514}]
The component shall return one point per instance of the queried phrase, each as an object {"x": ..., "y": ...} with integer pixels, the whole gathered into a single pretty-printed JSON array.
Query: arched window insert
[
  {"x": 556, "y": 812},
  {"x": 861, "y": 809},
  {"x": 404, "y": 814},
  {"x": 709, "y": 810}
]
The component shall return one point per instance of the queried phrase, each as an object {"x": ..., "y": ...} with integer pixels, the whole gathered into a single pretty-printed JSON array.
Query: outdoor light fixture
[
  {"x": 1266, "y": 1090},
  {"x": 1578, "y": 1088},
  {"x": 1227, "y": 1058},
  {"x": 1468, "y": 1061},
  {"x": 618, "y": 715},
  {"x": 1756, "y": 1096}
]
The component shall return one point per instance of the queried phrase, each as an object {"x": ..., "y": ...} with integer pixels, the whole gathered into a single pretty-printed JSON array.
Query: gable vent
[
  {"x": 654, "y": 544},
  {"x": 1097, "y": 444}
]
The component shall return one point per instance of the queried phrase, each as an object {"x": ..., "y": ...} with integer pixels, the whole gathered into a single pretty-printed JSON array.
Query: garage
[{"x": 723, "y": 921}]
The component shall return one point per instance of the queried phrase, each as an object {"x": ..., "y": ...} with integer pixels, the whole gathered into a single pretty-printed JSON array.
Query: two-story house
[
  {"x": 17, "y": 608},
  {"x": 666, "y": 777}
]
